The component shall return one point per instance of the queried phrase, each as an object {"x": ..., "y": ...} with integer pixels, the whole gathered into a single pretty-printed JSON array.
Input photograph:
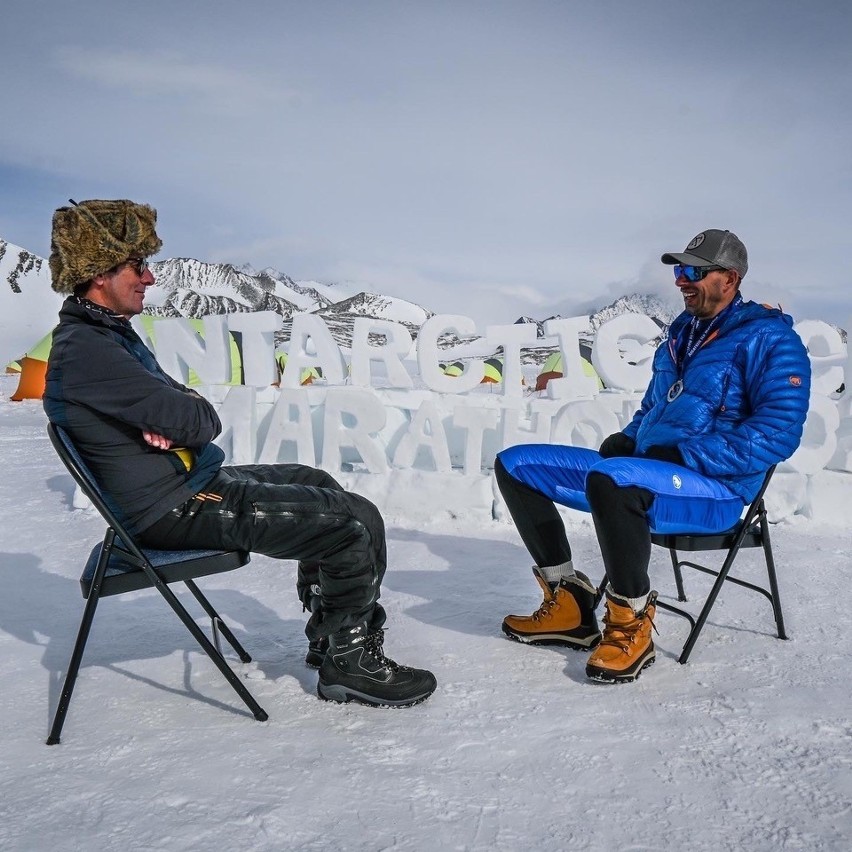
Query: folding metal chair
[
  {"x": 119, "y": 565},
  {"x": 751, "y": 531}
]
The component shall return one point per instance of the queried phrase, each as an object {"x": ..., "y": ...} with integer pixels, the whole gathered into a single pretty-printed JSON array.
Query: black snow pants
[{"x": 291, "y": 511}]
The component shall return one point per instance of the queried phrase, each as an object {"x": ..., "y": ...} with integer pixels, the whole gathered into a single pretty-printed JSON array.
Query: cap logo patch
[
  {"x": 676, "y": 481},
  {"x": 695, "y": 242},
  {"x": 796, "y": 381}
]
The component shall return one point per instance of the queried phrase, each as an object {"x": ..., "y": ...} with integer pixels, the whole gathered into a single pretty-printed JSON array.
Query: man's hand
[
  {"x": 618, "y": 444},
  {"x": 161, "y": 442},
  {"x": 666, "y": 454}
]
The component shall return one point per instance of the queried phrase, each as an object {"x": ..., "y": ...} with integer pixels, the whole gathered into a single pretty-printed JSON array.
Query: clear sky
[{"x": 487, "y": 158}]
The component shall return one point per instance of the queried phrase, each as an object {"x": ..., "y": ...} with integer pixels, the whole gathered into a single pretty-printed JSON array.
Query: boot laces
[
  {"x": 546, "y": 608},
  {"x": 622, "y": 636},
  {"x": 374, "y": 645}
]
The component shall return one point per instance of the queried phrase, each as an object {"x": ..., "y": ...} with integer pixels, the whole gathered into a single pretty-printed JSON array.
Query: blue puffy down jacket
[{"x": 744, "y": 400}]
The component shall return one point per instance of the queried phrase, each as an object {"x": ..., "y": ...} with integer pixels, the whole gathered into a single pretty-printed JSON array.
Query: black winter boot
[{"x": 355, "y": 668}]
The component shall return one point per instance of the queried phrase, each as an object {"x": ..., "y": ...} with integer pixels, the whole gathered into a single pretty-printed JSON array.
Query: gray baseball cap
[{"x": 713, "y": 248}]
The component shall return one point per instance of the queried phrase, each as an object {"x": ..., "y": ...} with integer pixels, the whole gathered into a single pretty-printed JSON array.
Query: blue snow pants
[{"x": 628, "y": 498}]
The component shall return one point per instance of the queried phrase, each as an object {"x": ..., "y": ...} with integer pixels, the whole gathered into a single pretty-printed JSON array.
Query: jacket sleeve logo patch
[{"x": 796, "y": 381}]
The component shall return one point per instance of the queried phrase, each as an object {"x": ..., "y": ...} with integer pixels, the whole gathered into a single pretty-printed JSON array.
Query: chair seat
[
  {"x": 125, "y": 575},
  {"x": 712, "y": 541}
]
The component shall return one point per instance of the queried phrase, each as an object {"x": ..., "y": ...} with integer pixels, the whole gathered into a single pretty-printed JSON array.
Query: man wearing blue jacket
[{"x": 728, "y": 399}]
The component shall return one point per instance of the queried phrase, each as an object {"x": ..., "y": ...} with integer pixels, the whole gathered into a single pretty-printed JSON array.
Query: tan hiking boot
[
  {"x": 565, "y": 617},
  {"x": 626, "y": 648}
]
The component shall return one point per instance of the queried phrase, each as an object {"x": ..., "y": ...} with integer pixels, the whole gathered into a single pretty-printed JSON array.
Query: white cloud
[
  {"x": 523, "y": 155},
  {"x": 161, "y": 74}
]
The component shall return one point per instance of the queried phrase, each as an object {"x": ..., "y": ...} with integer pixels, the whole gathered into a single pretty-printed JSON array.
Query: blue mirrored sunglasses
[{"x": 694, "y": 273}]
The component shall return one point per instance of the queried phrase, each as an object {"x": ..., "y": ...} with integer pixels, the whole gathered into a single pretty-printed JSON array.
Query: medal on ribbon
[{"x": 675, "y": 391}]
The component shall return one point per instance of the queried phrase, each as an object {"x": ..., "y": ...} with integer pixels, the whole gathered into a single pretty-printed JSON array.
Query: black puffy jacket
[{"x": 105, "y": 388}]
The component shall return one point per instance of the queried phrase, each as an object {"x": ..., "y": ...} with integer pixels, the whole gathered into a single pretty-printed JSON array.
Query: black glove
[
  {"x": 666, "y": 454},
  {"x": 618, "y": 444}
]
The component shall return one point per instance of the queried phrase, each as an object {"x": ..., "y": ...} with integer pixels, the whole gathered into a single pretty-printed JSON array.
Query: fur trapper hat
[{"x": 92, "y": 237}]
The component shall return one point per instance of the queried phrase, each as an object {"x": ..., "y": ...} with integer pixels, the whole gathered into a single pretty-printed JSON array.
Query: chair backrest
[
  {"x": 73, "y": 461},
  {"x": 756, "y": 506}
]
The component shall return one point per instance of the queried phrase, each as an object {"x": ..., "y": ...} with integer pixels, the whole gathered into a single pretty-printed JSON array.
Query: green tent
[
  {"x": 552, "y": 369},
  {"x": 149, "y": 323},
  {"x": 493, "y": 370},
  {"x": 454, "y": 369},
  {"x": 38, "y": 352},
  {"x": 309, "y": 374}
]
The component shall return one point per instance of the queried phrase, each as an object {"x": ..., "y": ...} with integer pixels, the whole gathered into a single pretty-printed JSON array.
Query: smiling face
[
  {"x": 122, "y": 289},
  {"x": 709, "y": 296}
]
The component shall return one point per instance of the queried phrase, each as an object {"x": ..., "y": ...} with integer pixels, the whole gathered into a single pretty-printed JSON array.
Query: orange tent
[
  {"x": 31, "y": 383},
  {"x": 33, "y": 370}
]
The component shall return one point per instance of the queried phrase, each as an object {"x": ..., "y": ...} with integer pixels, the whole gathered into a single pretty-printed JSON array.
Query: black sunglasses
[{"x": 139, "y": 264}]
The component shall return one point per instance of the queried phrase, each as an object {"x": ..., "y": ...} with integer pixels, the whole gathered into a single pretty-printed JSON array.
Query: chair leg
[
  {"x": 218, "y": 624},
  {"x": 82, "y": 637},
  {"x": 681, "y": 594},
  {"x": 73, "y": 670},
  {"x": 773, "y": 579},
  {"x": 708, "y": 605},
  {"x": 259, "y": 713}
]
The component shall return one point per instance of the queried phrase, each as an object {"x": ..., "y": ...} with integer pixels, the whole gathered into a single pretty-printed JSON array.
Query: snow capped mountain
[
  {"x": 17, "y": 264},
  {"x": 308, "y": 295},
  {"x": 28, "y": 305},
  {"x": 539, "y": 324},
  {"x": 660, "y": 311},
  {"x": 193, "y": 288},
  {"x": 340, "y": 317},
  {"x": 378, "y": 307}
]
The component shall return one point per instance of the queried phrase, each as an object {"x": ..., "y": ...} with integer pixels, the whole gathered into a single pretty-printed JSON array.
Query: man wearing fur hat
[{"x": 148, "y": 440}]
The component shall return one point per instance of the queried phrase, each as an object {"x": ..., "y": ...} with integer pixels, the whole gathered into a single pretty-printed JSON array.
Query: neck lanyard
[
  {"x": 693, "y": 345},
  {"x": 684, "y": 354}
]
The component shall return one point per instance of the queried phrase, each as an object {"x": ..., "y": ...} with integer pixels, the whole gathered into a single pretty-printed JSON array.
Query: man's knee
[
  {"x": 503, "y": 477},
  {"x": 354, "y": 535},
  {"x": 604, "y": 495},
  {"x": 326, "y": 480},
  {"x": 365, "y": 511},
  {"x": 601, "y": 490}
]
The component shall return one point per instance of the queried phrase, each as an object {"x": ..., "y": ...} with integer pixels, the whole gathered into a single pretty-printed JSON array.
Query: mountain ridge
[{"x": 186, "y": 287}]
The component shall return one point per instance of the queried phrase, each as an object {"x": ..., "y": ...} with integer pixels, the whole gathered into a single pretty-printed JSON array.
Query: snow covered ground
[{"x": 747, "y": 747}]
